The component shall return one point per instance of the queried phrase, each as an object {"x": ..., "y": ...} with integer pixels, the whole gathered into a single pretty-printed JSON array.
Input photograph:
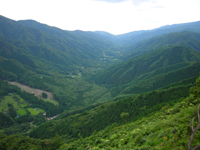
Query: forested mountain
[
  {"x": 104, "y": 86},
  {"x": 52, "y": 59},
  {"x": 152, "y": 70},
  {"x": 76, "y": 50},
  {"x": 168, "y": 128},
  {"x": 76, "y": 37},
  {"x": 186, "y": 38}
]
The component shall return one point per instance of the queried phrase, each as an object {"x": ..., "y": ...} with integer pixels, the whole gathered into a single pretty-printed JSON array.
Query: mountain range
[{"x": 100, "y": 82}]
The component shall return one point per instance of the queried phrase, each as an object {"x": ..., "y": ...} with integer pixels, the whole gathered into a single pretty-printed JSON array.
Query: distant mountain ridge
[
  {"x": 75, "y": 48},
  {"x": 137, "y": 36},
  {"x": 185, "y": 38},
  {"x": 127, "y": 38}
]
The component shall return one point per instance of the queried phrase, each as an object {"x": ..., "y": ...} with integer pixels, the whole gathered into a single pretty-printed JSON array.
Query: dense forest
[{"x": 138, "y": 90}]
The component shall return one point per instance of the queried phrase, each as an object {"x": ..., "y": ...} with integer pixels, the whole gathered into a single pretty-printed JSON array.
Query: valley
[{"x": 132, "y": 91}]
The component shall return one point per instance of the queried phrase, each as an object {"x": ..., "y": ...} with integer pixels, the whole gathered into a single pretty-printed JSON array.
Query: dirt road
[{"x": 36, "y": 92}]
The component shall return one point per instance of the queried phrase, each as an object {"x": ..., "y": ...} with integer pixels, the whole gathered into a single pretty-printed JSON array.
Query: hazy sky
[{"x": 114, "y": 16}]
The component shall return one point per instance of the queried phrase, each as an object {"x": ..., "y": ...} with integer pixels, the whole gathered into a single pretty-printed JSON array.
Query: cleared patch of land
[
  {"x": 16, "y": 101},
  {"x": 13, "y": 99},
  {"x": 21, "y": 112},
  {"x": 36, "y": 92},
  {"x": 51, "y": 101},
  {"x": 35, "y": 111}
]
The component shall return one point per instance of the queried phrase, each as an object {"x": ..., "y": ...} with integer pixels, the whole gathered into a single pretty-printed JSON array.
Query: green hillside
[
  {"x": 186, "y": 38},
  {"x": 162, "y": 66},
  {"x": 164, "y": 126},
  {"x": 75, "y": 50},
  {"x": 53, "y": 60},
  {"x": 70, "y": 124},
  {"x": 169, "y": 128}
]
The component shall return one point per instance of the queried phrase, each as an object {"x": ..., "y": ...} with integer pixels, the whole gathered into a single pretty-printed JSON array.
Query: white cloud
[{"x": 114, "y": 16}]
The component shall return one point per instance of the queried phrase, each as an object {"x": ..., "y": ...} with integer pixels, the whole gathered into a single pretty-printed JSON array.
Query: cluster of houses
[{"x": 50, "y": 118}]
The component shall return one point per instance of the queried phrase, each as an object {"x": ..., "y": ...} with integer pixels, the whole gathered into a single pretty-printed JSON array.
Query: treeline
[{"x": 87, "y": 122}]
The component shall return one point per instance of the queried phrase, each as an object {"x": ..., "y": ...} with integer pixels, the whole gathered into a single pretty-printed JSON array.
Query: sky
[{"x": 113, "y": 16}]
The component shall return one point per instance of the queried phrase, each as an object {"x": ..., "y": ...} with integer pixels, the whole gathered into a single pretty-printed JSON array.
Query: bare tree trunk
[{"x": 194, "y": 131}]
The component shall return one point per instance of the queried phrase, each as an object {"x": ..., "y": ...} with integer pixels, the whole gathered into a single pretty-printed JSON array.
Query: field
[
  {"x": 35, "y": 111},
  {"x": 51, "y": 101},
  {"x": 21, "y": 112},
  {"x": 13, "y": 99},
  {"x": 23, "y": 105},
  {"x": 19, "y": 105}
]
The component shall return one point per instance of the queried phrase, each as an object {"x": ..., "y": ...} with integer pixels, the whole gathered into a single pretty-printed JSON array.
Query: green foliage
[
  {"x": 164, "y": 129},
  {"x": 44, "y": 95},
  {"x": 12, "y": 112},
  {"x": 83, "y": 122},
  {"x": 17, "y": 128},
  {"x": 25, "y": 142},
  {"x": 167, "y": 128},
  {"x": 5, "y": 120},
  {"x": 196, "y": 89},
  {"x": 124, "y": 116},
  {"x": 39, "y": 119},
  {"x": 163, "y": 80}
]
